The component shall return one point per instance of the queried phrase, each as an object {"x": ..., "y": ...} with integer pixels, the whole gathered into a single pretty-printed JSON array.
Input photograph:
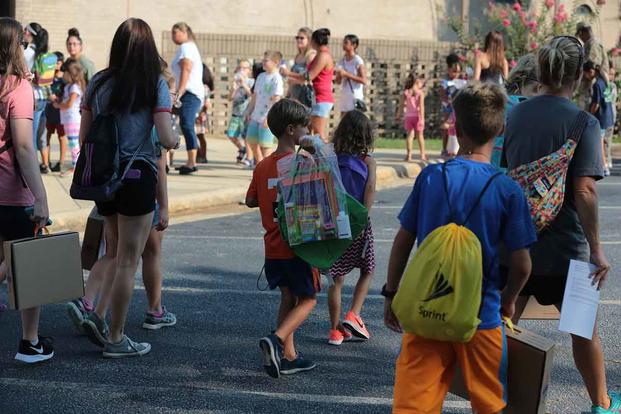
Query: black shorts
[
  {"x": 547, "y": 289},
  {"x": 295, "y": 274},
  {"x": 15, "y": 223},
  {"x": 137, "y": 195}
]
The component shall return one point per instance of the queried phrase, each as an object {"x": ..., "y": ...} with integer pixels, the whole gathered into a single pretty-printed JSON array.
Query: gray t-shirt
[
  {"x": 133, "y": 128},
  {"x": 535, "y": 128}
]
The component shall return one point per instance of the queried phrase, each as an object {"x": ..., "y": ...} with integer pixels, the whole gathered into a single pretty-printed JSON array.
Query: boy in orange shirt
[{"x": 288, "y": 120}]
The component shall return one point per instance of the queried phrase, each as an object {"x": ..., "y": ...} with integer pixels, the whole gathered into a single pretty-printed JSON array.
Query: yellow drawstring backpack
[{"x": 440, "y": 294}]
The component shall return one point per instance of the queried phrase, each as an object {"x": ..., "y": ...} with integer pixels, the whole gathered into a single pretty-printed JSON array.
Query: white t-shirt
[
  {"x": 189, "y": 51},
  {"x": 29, "y": 56},
  {"x": 266, "y": 86},
  {"x": 356, "y": 91},
  {"x": 71, "y": 115}
]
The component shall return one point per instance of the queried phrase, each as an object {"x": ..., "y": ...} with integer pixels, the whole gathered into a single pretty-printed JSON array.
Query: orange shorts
[{"x": 425, "y": 371}]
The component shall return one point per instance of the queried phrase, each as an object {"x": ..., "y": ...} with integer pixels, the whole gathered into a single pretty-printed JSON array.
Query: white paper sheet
[{"x": 580, "y": 301}]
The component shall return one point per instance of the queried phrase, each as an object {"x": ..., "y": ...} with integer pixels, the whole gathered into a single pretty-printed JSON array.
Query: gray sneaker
[
  {"x": 77, "y": 313},
  {"x": 154, "y": 322},
  {"x": 125, "y": 349},
  {"x": 95, "y": 329}
]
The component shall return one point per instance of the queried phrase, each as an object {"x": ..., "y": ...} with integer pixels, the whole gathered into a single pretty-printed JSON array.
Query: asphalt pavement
[{"x": 210, "y": 361}]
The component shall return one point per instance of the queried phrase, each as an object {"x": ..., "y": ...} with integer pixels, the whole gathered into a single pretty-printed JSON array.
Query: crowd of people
[{"x": 497, "y": 121}]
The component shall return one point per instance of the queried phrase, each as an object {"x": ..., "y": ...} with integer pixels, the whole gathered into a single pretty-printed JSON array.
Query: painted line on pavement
[
  {"x": 399, "y": 207},
  {"x": 191, "y": 290},
  {"x": 54, "y": 386},
  {"x": 191, "y": 237}
]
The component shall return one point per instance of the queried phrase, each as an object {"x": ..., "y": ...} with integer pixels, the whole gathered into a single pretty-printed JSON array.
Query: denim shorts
[
  {"x": 257, "y": 134},
  {"x": 322, "y": 109}
]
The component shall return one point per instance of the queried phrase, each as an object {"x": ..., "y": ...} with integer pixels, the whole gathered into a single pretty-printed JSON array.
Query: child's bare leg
[
  {"x": 361, "y": 291},
  {"x": 292, "y": 320},
  {"x": 421, "y": 145},
  {"x": 256, "y": 151},
  {"x": 334, "y": 302},
  {"x": 408, "y": 145}
]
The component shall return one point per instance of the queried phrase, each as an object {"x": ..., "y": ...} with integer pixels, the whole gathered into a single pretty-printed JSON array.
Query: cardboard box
[
  {"x": 534, "y": 310},
  {"x": 528, "y": 377},
  {"x": 43, "y": 270},
  {"x": 91, "y": 243}
]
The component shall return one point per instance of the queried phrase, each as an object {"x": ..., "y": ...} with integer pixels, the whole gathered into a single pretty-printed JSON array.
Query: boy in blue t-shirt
[{"x": 425, "y": 367}]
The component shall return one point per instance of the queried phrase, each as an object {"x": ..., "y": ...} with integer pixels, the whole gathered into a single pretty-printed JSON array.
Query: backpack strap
[
  {"x": 6, "y": 147},
  {"x": 578, "y": 126},
  {"x": 476, "y": 202}
]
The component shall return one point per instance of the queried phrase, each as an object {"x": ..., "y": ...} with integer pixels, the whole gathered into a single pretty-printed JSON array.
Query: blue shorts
[
  {"x": 257, "y": 134},
  {"x": 322, "y": 109},
  {"x": 236, "y": 127},
  {"x": 295, "y": 274}
]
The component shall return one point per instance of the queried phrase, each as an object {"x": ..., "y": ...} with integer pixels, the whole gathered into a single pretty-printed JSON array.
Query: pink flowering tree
[{"x": 525, "y": 29}]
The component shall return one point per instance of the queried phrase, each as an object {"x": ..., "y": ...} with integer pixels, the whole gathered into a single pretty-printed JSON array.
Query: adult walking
[
  {"x": 187, "y": 66},
  {"x": 536, "y": 128},
  {"x": 20, "y": 189},
  {"x": 320, "y": 71},
  {"x": 595, "y": 52},
  {"x": 302, "y": 59},
  {"x": 43, "y": 68},
  {"x": 134, "y": 91},
  {"x": 74, "y": 48},
  {"x": 490, "y": 65}
]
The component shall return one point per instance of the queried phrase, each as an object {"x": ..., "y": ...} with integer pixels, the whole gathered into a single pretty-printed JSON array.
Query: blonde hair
[
  {"x": 273, "y": 55},
  {"x": 560, "y": 62},
  {"x": 76, "y": 73},
  {"x": 480, "y": 111},
  {"x": 185, "y": 29},
  {"x": 525, "y": 71},
  {"x": 306, "y": 31}
]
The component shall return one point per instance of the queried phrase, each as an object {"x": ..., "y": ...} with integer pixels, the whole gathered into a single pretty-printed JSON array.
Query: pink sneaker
[
  {"x": 336, "y": 337},
  {"x": 356, "y": 325}
]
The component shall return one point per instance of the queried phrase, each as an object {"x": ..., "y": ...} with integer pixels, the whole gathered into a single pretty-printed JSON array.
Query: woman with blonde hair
[
  {"x": 536, "y": 128},
  {"x": 304, "y": 57},
  {"x": 490, "y": 65}
]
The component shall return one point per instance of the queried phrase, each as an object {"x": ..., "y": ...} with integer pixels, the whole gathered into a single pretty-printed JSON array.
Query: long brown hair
[
  {"x": 354, "y": 134},
  {"x": 76, "y": 73},
  {"x": 11, "y": 55},
  {"x": 495, "y": 49},
  {"x": 136, "y": 67}
]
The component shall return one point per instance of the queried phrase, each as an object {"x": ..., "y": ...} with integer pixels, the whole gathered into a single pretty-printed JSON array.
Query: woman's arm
[
  {"x": 186, "y": 68},
  {"x": 21, "y": 131},
  {"x": 369, "y": 189},
  {"x": 322, "y": 61},
  {"x": 163, "y": 125},
  {"x": 162, "y": 193},
  {"x": 68, "y": 104},
  {"x": 421, "y": 104},
  {"x": 505, "y": 69},
  {"x": 360, "y": 77},
  {"x": 477, "y": 67}
]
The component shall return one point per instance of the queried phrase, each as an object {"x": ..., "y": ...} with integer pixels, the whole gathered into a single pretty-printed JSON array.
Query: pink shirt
[
  {"x": 322, "y": 84},
  {"x": 412, "y": 103},
  {"x": 18, "y": 104}
]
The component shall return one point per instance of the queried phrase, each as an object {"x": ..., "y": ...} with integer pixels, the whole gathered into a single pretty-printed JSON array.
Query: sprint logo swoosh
[{"x": 441, "y": 287}]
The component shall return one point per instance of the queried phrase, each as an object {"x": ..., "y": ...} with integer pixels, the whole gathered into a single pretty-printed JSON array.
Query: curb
[{"x": 387, "y": 176}]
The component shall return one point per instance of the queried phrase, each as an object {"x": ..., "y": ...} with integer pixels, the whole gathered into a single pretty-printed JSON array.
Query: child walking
[
  {"x": 353, "y": 140},
  {"x": 298, "y": 282},
  {"x": 446, "y": 194},
  {"x": 449, "y": 88},
  {"x": 268, "y": 89},
  {"x": 413, "y": 101},
  {"x": 52, "y": 115},
  {"x": 239, "y": 95},
  {"x": 70, "y": 107}
]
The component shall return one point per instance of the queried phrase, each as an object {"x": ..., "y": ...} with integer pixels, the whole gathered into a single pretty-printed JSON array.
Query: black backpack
[{"x": 97, "y": 176}]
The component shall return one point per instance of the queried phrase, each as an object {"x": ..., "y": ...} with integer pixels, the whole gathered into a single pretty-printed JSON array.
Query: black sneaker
[
  {"x": 184, "y": 170},
  {"x": 298, "y": 365},
  {"x": 56, "y": 167},
  {"x": 43, "y": 168},
  {"x": 95, "y": 329},
  {"x": 31, "y": 354},
  {"x": 272, "y": 354}
]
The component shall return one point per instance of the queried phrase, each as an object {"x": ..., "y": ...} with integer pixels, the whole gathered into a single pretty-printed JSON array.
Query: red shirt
[
  {"x": 264, "y": 189},
  {"x": 17, "y": 104},
  {"x": 322, "y": 84}
]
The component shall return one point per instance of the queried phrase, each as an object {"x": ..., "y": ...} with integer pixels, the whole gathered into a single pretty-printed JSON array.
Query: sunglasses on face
[{"x": 300, "y": 38}]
